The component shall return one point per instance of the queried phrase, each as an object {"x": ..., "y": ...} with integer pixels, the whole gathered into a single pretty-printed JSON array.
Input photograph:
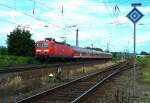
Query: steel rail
[
  {"x": 44, "y": 93},
  {"x": 92, "y": 89}
]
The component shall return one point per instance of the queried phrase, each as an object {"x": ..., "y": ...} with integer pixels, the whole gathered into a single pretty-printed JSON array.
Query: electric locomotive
[{"x": 49, "y": 49}]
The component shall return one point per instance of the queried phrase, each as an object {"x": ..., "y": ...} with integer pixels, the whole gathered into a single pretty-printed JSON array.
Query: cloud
[
  {"x": 35, "y": 24},
  {"x": 99, "y": 8},
  {"x": 7, "y": 30},
  {"x": 93, "y": 18},
  {"x": 10, "y": 13},
  {"x": 123, "y": 19},
  {"x": 145, "y": 10},
  {"x": 143, "y": 38}
]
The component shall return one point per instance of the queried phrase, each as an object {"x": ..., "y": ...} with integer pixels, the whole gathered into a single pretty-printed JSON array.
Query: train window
[
  {"x": 45, "y": 45},
  {"x": 42, "y": 45}
]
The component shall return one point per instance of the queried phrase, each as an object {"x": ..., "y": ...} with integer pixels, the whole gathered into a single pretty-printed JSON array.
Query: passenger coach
[{"x": 49, "y": 49}]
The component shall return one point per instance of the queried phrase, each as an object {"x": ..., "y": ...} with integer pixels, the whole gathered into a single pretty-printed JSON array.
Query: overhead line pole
[{"x": 77, "y": 37}]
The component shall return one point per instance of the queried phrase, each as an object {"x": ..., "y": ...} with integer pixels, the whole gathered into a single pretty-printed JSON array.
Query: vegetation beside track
[
  {"x": 122, "y": 86},
  {"x": 143, "y": 80},
  {"x": 145, "y": 63},
  {"x": 7, "y": 60}
]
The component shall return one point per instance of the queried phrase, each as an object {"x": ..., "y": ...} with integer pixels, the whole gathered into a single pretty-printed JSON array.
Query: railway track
[
  {"x": 76, "y": 90},
  {"x": 21, "y": 68}
]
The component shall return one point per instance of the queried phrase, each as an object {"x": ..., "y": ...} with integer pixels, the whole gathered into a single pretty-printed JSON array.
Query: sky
[{"x": 100, "y": 22}]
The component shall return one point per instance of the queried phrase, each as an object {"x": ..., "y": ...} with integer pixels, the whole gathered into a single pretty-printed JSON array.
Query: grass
[
  {"x": 145, "y": 63},
  {"x": 7, "y": 60}
]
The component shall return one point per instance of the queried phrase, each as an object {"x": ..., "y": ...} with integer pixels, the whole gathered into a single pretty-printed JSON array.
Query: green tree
[
  {"x": 20, "y": 43},
  {"x": 144, "y": 53},
  {"x": 3, "y": 50}
]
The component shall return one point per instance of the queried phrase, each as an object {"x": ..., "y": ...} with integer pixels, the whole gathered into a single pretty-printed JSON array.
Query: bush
[
  {"x": 3, "y": 51},
  {"x": 6, "y": 60},
  {"x": 19, "y": 42},
  {"x": 145, "y": 63}
]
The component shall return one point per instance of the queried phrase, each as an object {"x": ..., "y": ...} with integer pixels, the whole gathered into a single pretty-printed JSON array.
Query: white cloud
[
  {"x": 93, "y": 19},
  {"x": 99, "y": 8},
  {"x": 39, "y": 35},
  {"x": 123, "y": 19},
  {"x": 36, "y": 25},
  {"x": 8, "y": 29},
  {"x": 10, "y": 13},
  {"x": 145, "y": 10},
  {"x": 143, "y": 38}
]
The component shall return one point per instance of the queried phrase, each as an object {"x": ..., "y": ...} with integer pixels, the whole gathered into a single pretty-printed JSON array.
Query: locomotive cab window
[{"x": 42, "y": 45}]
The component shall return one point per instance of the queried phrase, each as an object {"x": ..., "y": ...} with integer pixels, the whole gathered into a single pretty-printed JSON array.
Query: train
[{"x": 49, "y": 49}]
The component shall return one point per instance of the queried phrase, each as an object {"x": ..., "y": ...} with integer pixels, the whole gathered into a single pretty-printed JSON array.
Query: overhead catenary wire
[
  {"x": 33, "y": 7},
  {"x": 33, "y": 16},
  {"x": 109, "y": 4},
  {"x": 106, "y": 2},
  {"x": 39, "y": 2},
  {"x": 4, "y": 20},
  {"x": 39, "y": 19},
  {"x": 101, "y": 4},
  {"x": 115, "y": 10}
]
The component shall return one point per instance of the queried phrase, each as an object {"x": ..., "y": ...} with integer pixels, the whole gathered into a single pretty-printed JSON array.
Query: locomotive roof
[
  {"x": 61, "y": 43},
  {"x": 75, "y": 48},
  {"x": 53, "y": 41}
]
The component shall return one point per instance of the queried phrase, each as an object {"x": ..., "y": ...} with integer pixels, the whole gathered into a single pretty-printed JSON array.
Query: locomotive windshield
[{"x": 42, "y": 45}]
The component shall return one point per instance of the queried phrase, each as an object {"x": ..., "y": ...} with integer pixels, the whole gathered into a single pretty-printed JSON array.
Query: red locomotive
[{"x": 50, "y": 49}]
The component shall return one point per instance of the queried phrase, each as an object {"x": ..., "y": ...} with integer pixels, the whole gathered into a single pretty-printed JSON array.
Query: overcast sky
[{"x": 99, "y": 22}]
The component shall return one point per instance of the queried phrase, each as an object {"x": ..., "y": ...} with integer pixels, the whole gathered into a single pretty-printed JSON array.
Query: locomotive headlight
[
  {"x": 46, "y": 50},
  {"x": 38, "y": 50}
]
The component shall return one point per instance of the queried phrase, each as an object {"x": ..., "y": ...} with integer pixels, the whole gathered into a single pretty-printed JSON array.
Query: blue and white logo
[{"x": 135, "y": 15}]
